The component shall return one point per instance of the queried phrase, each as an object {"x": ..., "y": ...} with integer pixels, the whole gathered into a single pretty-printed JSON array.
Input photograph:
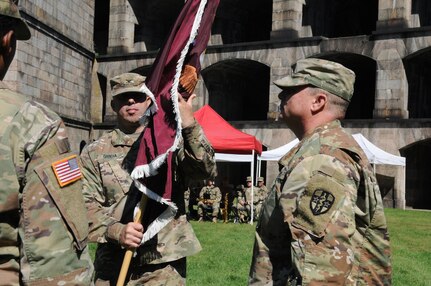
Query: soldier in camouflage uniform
[
  {"x": 187, "y": 202},
  {"x": 209, "y": 201},
  {"x": 240, "y": 206},
  {"x": 263, "y": 190},
  {"x": 43, "y": 226},
  {"x": 323, "y": 221},
  {"x": 251, "y": 201},
  {"x": 108, "y": 187},
  {"x": 261, "y": 193}
]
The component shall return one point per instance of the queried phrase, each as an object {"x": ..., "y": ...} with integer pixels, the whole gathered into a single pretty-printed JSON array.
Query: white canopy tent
[
  {"x": 224, "y": 157},
  {"x": 377, "y": 156},
  {"x": 374, "y": 154}
]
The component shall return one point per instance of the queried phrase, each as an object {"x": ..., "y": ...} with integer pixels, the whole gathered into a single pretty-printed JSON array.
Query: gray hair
[{"x": 337, "y": 104}]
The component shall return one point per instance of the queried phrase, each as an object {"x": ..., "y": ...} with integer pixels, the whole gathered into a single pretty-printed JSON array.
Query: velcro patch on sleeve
[
  {"x": 322, "y": 197},
  {"x": 67, "y": 170}
]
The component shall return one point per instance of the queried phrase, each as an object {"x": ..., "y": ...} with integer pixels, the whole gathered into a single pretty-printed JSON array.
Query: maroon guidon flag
[{"x": 176, "y": 69}]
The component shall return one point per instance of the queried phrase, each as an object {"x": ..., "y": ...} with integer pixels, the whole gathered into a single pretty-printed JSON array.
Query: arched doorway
[
  {"x": 418, "y": 71},
  {"x": 418, "y": 179}
]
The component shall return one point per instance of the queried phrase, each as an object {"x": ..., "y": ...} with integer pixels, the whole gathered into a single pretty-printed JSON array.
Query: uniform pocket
[{"x": 69, "y": 202}]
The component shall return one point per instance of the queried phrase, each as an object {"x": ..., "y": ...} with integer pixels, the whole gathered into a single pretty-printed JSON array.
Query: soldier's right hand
[{"x": 131, "y": 235}]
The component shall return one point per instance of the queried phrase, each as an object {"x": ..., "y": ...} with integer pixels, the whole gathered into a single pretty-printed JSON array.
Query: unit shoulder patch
[{"x": 321, "y": 201}]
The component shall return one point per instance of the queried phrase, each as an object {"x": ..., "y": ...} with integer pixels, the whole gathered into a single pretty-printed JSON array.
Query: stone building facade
[{"x": 254, "y": 42}]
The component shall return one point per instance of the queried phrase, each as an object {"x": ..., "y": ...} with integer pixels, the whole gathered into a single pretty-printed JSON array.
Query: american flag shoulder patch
[{"x": 67, "y": 170}]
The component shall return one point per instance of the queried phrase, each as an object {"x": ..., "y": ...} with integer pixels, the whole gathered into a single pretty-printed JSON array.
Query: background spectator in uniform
[
  {"x": 209, "y": 201},
  {"x": 240, "y": 206},
  {"x": 251, "y": 201}
]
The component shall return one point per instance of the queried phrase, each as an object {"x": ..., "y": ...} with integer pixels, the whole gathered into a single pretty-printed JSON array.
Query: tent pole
[
  {"x": 252, "y": 189},
  {"x": 259, "y": 162}
]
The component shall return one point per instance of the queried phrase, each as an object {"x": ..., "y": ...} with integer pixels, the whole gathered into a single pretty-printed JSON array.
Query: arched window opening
[
  {"x": 238, "y": 89},
  {"x": 423, "y": 9},
  {"x": 340, "y": 18},
  {"x": 239, "y": 21},
  {"x": 362, "y": 104},
  {"x": 101, "y": 26},
  {"x": 418, "y": 71},
  {"x": 155, "y": 20}
]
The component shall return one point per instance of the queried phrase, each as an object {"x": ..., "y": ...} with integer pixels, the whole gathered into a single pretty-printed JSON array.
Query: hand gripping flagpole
[
  {"x": 129, "y": 253},
  {"x": 175, "y": 69}
]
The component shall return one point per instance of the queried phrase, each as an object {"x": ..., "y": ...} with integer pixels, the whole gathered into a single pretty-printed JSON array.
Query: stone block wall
[{"x": 54, "y": 66}]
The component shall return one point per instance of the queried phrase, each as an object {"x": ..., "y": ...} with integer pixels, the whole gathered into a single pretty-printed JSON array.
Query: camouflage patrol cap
[
  {"x": 10, "y": 9},
  {"x": 126, "y": 82},
  {"x": 327, "y": 75},
  {"x": 248, "y": 179},
  {"x": 260, "y": 179}
]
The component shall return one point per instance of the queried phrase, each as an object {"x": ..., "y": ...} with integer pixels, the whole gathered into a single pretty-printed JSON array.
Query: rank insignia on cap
[
  {"x": 321, "y": 201},
  {"x": 67, "y": 170}
]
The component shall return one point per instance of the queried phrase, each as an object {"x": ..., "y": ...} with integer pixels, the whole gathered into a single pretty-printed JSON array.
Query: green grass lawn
[
  {"x": 227, "y": 248},
  {"x": 410, "y": 233}
]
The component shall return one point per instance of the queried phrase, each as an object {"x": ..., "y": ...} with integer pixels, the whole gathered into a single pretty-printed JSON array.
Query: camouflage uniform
[
  {"x": 263, "y": 190},
  {"x": 323, "y": 221},
  {"x": 187, "y": 202},
  {"x": 213, "y": 194},
  {"x": 107, "y": 163},
  {"x": 261, "y": 193},
  {"x": 239, "y": 207},
  {"x": 256, "y": 200},
  {"x": 43, "y": 227}
]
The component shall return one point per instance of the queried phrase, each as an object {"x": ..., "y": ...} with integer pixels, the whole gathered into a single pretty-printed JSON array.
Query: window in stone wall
[
  {"x": 423, "y": 9},
  {"x": 418, "y": 72},
  {"x": 340, "y": 18},
  {"x": 101, "y": 26},
  {"x": 362, "y": 103},
  {"x": 238, "y": 89},
  {"x": 155, "y": 19},
  {"x": 239, "y": 21}
]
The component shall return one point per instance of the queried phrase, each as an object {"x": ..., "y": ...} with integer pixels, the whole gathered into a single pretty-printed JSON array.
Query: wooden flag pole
[{"x": 129, "y": 253}]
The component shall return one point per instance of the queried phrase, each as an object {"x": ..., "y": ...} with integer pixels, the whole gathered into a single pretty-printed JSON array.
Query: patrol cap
[
  {"x": 126, "y": 82},
  {"x": 260, "y": 179},
  {"x": 327, "y": 75},
  {"x": 248, "y": 179},
  {"x": 10, "y": 9}
]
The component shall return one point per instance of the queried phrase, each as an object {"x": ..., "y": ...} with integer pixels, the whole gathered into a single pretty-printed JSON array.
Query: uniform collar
[
  {"x": 119, "y": 138},
  {"x": 318, "y": 130}
]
